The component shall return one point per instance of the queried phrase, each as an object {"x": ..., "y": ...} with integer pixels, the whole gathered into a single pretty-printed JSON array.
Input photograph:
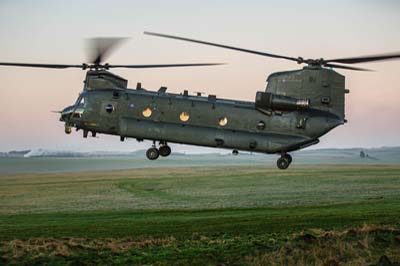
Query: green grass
[
  {"x": 182, "y": 224},
  {"x": 215, "y": 215},
  {"x": 197, "y": 188}
]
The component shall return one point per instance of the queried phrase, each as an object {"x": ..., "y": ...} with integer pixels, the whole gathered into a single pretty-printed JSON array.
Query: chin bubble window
[
  {"x": 222, "y": 121},
  {"x": 147, "y": 112},
  {"x": 184, "y": 116}
]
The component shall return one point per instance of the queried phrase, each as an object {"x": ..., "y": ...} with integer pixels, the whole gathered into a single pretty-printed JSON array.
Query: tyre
[
  {"x": 283, "y": 163},
  {"x": 165, "y": 150},
  {"x": 152, "y": 154},
  {"x": 289, "y": 158}
]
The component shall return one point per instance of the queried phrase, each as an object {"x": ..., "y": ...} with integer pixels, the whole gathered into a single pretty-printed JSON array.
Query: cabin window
[
  {"x": 260, "y": 125},
  {"x": 222, "y": 121},
  {"x": 110, "y": 108},
  {"x": 184, "y": 116},
  {"x": 147, "y": 112}
]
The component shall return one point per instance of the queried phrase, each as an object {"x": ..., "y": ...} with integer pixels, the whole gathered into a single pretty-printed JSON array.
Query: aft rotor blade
[
  {"x": 364, "y": 59},
  {"x": 57, "y": 66},
  {"x": 221, "y": 46},
  {"x": 100, "y": 48},
  {"x": 347, "y": 67},
  {"x": 164, "y": 65}
]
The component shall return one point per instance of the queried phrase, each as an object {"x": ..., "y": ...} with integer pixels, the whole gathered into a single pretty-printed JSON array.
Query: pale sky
[{"x": 55, "y": 32}]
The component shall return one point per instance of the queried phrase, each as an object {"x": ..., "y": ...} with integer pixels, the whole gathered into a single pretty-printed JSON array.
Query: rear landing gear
[
  {"x": 284, "y": 161},
  {"x": 153, "y": 153}
]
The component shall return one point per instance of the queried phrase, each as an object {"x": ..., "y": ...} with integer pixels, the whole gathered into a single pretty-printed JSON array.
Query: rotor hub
[{"x": 105, "y": 66}]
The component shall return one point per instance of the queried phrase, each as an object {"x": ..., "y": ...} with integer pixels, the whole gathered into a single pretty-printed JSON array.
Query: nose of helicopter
[{"x": 66, "y": 113}]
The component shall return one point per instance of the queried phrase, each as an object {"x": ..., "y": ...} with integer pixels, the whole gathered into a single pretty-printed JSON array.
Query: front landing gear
[
  {"x": 153, "y": 153},
  {"x": 165, "y": 150},
  {"x": 68, "y": 129},
  {"x": 284, "y": 161}
]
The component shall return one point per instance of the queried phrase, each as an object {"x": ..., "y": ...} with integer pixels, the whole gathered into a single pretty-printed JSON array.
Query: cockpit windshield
[
  {"x": 79, "y": 107},
  {"x": 81, "y": 101}
]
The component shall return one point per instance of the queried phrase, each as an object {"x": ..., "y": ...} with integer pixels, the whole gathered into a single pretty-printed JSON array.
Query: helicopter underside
[
  {"x": 269, "y": 142},
  {"x": 164, "y": 133},
  {"x": 213, "y": 137}
]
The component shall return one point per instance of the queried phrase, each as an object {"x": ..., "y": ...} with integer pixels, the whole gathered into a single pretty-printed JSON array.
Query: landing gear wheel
[
  {"x": 283, "y": 162},
  {"x": 152, "y": 153},
  {"x": 289, "y": 158},
  {"x": 68, "y": 130},
  {"x": 165, "y": 150}
]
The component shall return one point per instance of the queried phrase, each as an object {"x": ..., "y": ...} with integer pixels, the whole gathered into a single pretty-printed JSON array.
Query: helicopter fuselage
[{"x": 197, "y": 120}]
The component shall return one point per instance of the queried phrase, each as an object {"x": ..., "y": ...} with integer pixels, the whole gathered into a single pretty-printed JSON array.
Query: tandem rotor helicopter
[{"x": 295, "y": 110}]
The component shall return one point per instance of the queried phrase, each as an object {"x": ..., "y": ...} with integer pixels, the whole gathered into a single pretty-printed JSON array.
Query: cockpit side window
[{"x": 81, "y": 101}]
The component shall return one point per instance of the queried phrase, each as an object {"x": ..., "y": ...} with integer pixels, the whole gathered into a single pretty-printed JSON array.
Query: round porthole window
[
  {"x": 147, "y": 112},
  {"x": 260, "y": 125},
  {"x": 223, "y": 121},
  {"x": 109, "y": 108},
  {"x": 184, "y": 116}
]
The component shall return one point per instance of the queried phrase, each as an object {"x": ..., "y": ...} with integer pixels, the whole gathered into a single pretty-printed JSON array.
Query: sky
[{"x": 55, "y": 32}]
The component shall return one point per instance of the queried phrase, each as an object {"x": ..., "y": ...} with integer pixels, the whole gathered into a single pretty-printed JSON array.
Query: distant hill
[
  {"x": 46, "y": 161},
  {"x": 381, "y": 155},
  {"x": 66, "y": 154}
]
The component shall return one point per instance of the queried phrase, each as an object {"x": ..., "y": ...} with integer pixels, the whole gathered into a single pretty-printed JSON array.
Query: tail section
[{"x": 324, "y": 88}]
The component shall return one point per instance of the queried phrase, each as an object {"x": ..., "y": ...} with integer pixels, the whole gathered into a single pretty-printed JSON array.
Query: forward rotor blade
[
  {"x": 164, "y": 65},
  {"x": 347, "y": 67},
  {"x": 364, "y": 59},
  {"x": 57, "y": 66},
  {"x": 100, "y": 48},
  {"x": 221, "y": 46}
]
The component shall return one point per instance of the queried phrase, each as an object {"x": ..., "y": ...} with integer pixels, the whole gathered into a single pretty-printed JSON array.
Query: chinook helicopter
[{"x": 295, "y": 110}]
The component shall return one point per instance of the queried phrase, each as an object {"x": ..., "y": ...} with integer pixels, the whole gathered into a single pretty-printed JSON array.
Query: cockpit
[
  {"x": 96, "y": 80},
  {"x": 76, "y": 110}
]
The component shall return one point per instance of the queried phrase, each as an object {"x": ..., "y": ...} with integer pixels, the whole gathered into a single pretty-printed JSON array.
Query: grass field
[{"x": 226, "y": 215}]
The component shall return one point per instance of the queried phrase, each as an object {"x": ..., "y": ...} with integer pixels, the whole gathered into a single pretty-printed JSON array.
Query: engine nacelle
[{"x": 269, "y": 101}]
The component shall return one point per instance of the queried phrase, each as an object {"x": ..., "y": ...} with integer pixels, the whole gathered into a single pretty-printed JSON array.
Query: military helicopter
[{"x": 295, "y": 110}]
